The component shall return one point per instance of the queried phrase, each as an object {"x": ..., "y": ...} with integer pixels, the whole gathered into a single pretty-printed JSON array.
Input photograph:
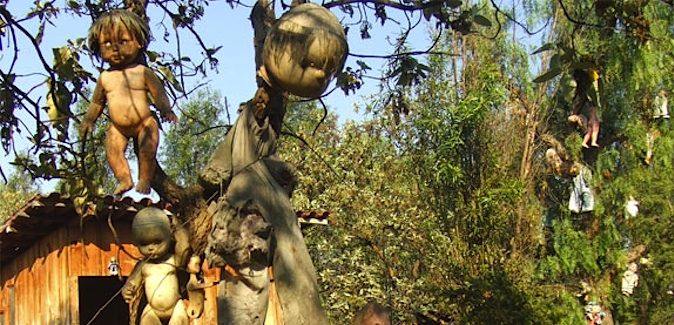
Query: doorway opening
[{"x": 101, "y": 300}]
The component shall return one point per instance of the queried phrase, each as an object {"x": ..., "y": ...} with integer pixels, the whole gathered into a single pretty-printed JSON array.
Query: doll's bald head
[{"x": 151, "y": 230}]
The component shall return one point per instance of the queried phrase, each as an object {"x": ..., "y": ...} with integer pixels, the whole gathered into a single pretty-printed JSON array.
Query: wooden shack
[{"x": 55, "y": 266}]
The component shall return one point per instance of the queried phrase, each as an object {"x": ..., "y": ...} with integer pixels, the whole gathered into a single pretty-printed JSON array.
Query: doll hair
[{"x": 112, "y": 21}]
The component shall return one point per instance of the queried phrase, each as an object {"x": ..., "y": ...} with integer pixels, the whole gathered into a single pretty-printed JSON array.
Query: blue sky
[{"x": 221, "y": 25}]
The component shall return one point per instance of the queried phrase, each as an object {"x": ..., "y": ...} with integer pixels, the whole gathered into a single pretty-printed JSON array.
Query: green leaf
[
  {"x": 482, "y": 20},
  {"x": 454, "y": 3},
  {"x": 428, "y": 12},
  {"x": 583, "y": 65},
  {"x": 555, "y": 61},
  {"x": 171, "y": 78},
  {"x": 152, "y": 56},
  {"x": 548, "y": 75},
  {"x": 545, "y": 47},
  {"x": 40, "y": 33},
  {"x": 212, "y": 51}
]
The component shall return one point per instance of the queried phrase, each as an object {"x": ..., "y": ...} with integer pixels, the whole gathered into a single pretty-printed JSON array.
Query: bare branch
[
  {"x": 408, "y": 53},
  {"x": 571, "y": 19},
  {"x": 387, "y": 3},
  {"x": 525, "y": 28}
]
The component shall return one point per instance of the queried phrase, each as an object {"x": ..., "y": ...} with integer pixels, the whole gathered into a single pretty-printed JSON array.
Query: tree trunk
[{"x": 245, "y": 188}]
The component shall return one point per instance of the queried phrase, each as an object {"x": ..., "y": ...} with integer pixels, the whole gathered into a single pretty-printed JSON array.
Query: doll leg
[
  {"x": 149, "y": 317},
  {"x": 115, "y": 147},
  {"x": 148, "y": 139},
  {"x": 179, "y": 316},
  {"x": 595, "y": 133},
  {"x": 587, "y": 136}
]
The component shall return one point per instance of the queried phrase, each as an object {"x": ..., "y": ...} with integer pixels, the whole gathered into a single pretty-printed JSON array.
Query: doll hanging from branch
[
  {"x": 119, "y": 37},
  {"x": 585, "y": 105}
]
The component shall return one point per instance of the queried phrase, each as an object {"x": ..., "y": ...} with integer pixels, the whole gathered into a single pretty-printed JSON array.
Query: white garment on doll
[
  {"x": 630, "y": 279},
  {"x": 631, "y": 208},
  {"x": 581, "y": 199},
  {"x": 661, "y": 109}
]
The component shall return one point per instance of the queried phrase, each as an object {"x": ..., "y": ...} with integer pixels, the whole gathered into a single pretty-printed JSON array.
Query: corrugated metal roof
[{"x": 44, "y": 213}]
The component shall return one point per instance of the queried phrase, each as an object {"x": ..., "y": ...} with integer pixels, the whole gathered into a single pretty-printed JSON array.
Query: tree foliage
[
  {"x": 438, "y": 200},
  {"x": 15, "y": 193},
  {"x": 186, "y": 145}
]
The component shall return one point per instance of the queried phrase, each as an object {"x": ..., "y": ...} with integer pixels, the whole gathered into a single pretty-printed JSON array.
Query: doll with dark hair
[
  {"x": 373, "y": 313},
  {"x": 585, "y": 105},
  {"x": 119, "y": 37}
]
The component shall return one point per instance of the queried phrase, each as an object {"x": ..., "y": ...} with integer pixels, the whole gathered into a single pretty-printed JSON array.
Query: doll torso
[
  {"x": 161, "y": 285},
  {"x": 126, "y": 95}
]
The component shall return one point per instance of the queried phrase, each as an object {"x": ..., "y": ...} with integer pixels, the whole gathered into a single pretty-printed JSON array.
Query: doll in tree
[
  {"x": 661, "y": 110},
  {"x": 585, "y": 105},
  {"x": 120, "y": 37},
  {"x": 158, "y": 270}
]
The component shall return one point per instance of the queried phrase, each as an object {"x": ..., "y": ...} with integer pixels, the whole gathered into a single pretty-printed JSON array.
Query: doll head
[
  {"x": 151, "y": 231},
  {"x": 118, "y": 37}
]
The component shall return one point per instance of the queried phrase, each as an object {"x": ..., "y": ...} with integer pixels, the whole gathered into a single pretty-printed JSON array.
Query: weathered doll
[
  {"x": 585, "y": 105},
  {"x": 119, "y": 37},
  {"x": 372, "y": 313},
  {"x": 661, "y": 111},
  {"x": 151, "y": 230}
]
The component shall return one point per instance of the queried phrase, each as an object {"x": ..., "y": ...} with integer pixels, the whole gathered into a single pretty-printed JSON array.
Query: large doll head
[
  {"x": 304, "y": 50},
  {"x": 119, "y": 37},
  {"x": 151, "y": 230}
]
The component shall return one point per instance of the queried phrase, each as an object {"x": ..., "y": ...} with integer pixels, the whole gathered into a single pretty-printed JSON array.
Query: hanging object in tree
[
  {"x": 304, "y": 50},
  {"x": 630, "y": 279},
  {"x": 582, "y": 198},
  {"x": 631, "y": 208},
  {"x": 594, "y": 313}
]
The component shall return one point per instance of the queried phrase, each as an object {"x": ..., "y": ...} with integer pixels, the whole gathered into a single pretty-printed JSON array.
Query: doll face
[
  {"x": 153, "y": 241},
  {"x": 118, "y": 47}
]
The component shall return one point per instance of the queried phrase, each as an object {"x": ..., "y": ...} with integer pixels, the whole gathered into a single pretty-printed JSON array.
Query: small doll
[
  {"x": 151, "y": 230},
  {"x": 585, "y": 105},
  {"x": 119, "y": 37}
]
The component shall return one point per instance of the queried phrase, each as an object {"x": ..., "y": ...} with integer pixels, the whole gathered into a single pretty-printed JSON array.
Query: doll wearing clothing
[{"x": 585, "y": 105}]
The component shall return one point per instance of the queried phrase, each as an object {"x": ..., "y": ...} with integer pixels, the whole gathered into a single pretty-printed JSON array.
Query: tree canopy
[{"x": 441, "y": 203}]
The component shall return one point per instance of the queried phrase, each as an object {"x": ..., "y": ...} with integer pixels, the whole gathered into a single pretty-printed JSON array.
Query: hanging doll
[
  {"x": 581, "y": 198},
  {"x": 119, "y": 37},
  {"x": 585, "y": 105}
]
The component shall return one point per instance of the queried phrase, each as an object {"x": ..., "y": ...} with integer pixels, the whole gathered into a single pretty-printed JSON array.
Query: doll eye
[{"x": 107, "y": 44}]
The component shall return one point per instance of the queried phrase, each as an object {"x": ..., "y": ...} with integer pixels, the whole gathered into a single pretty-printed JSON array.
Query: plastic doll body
[
  {"x": 157, "y": 271},
  {"x": 124, "y": 87}
]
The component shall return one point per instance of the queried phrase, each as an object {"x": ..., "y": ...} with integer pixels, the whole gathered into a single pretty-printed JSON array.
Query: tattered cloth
[
  {"x": 256, "y": 183},
  {"x": 581, "y": 198}
]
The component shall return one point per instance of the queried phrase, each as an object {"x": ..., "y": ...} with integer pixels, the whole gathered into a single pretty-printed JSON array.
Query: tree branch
[
  {"x": 571, "y": 19},
  {"x": 525, "y": 28},
  {"x": 387, "y": 3}
]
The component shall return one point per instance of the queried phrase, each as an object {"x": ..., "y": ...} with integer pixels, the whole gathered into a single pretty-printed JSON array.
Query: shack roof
[{"x": 43, "y": 214}]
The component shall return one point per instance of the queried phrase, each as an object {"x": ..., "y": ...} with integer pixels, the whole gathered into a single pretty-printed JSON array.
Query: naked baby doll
[
  {"x": 119, "y": 37},
  {"x": 151, "y": 230}
]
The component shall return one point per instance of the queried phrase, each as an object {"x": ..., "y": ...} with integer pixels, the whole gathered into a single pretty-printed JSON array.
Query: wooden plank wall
[
  {"x": 44, "y": 277},
  {"x": 40, "y": 283}
]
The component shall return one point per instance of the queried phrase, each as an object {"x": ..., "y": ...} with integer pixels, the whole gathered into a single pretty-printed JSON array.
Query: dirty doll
[{"x": 120, "y": 37}]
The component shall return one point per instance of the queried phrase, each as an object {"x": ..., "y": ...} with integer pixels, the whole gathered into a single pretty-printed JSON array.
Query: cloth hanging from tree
[
  {"x": 581, "y": 198},
  {"x": 254, "y": 181},
  {"x": 630, "y": 279}
]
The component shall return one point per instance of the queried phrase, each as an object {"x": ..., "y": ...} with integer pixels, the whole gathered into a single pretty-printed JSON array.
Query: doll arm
[
  {"x": 95, "y": 108},
  {"x": 133, "y": 282},
  {"x": 156, "y": 89}
]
